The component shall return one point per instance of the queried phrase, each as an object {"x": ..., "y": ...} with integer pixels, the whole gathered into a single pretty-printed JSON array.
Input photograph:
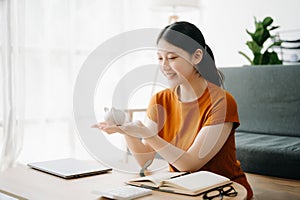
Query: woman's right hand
[
  {"x": 105, "y": 126},
  {"x": 135, "y": 129}
]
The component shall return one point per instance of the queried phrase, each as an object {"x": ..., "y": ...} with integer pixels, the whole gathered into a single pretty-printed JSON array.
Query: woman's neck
[{"x": 192, "y": 90}]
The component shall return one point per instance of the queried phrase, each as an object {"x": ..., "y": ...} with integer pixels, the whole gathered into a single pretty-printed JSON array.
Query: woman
[{"x": 191, "y": 124}]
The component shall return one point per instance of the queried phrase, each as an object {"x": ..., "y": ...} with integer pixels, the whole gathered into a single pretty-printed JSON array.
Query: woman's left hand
[{"x": 137, "y": 129}]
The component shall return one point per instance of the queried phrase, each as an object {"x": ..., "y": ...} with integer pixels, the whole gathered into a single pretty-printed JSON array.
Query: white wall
[{"x": 223, "y": 23}]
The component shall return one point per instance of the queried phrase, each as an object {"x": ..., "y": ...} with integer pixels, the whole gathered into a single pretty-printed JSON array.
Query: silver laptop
[{"x": 69, "y": 168}]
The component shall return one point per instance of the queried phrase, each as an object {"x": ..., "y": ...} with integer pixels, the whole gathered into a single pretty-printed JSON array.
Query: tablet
[{"x": 69, "y": 168}]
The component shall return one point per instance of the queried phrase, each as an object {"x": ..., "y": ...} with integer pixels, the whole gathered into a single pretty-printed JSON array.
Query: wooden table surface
[{"x": 32, "y": 184}]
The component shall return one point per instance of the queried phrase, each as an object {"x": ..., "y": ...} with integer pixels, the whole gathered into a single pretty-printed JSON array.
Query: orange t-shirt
[{"x": 180, "y": 122}]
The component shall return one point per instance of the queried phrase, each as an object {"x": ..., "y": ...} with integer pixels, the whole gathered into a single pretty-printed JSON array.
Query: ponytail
[
  {"x": 208, "y": 70},
  {"x": 220, "y": 74},
  {"x": 209, "y": 51}
]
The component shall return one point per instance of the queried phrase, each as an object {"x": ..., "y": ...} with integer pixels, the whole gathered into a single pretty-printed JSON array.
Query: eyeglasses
[{"x": 218, "y": 193}]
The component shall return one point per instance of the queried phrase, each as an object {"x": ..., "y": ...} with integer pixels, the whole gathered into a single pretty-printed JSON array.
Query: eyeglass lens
[{"x": 219, "y": 193}]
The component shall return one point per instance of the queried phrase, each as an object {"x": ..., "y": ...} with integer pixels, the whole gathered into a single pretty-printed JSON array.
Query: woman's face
[{"x": 175, "y": 63}]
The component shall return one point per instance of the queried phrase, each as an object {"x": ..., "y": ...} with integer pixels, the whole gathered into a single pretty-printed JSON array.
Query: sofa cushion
[
  {"x": 268, "y": 98},
  {"x": 269, "y": 154}
]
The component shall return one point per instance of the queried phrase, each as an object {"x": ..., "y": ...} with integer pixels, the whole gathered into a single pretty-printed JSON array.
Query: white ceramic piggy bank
[{"x": 114, "y": 116}]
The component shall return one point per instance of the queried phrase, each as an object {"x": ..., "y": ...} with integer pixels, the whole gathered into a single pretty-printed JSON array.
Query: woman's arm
[
  {"x": 207, "y": 144},
  {"x": 141, "y": 151}
]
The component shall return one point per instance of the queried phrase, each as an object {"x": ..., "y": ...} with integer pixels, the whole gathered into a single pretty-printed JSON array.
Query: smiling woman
[{"x": 191, "y": 124}]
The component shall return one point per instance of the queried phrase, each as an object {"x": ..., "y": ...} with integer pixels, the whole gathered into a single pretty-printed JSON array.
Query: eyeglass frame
[{"x": 231, "y": 192}]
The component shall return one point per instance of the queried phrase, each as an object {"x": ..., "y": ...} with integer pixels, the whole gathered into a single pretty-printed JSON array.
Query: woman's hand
[
  {"x": 135, "y": 129},
  {"x": 105, "y": 126}
]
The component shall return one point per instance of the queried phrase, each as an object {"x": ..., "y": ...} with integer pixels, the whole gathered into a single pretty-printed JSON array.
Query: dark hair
[{"x": 189, "y": 38}]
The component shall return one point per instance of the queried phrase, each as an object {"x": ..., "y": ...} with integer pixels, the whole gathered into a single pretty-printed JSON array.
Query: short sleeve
[
  {"x": 232, "y": 111},
  {"x": 223, "y": 109}
]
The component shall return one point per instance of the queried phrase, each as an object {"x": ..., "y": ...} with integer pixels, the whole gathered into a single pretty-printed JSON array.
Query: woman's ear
[{"x": 197, "y": 56}]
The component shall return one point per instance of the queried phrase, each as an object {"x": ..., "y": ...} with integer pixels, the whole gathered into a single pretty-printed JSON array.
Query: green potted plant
[{"x": 263, "y": 55}]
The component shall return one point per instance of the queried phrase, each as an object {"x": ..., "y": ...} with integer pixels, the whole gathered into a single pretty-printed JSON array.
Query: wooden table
[{"x": 32, "y": 184}]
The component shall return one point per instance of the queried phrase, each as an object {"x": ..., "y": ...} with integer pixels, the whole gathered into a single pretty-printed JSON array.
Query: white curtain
[
  {"x": 12, "y": 94},
  {"x": 43, "y": 44}
]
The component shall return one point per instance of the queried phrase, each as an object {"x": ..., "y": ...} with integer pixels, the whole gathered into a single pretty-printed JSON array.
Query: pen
[{"x": 180, "y": 175}]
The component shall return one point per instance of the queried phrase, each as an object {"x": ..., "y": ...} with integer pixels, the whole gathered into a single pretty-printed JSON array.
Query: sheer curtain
[
  {"x": 43, "y": 44},
  {"x": 12, "y": 95}
]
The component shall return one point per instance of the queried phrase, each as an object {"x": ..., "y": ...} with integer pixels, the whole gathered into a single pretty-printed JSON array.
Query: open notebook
[
  {"x": 188, "y": 184},
  {"x": 69, "y": 168}
]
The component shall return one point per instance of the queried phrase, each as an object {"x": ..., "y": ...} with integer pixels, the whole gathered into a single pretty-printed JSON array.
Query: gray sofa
[{"x": 268, "y": 98}]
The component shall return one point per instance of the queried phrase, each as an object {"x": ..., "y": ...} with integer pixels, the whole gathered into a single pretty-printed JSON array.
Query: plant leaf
[
  {"x": 261, "y": 34},
  {"x": 264, "y": 36},
  {"x": 273, "y": 28},
  {"x": 243, "y": 54},
  {"x": 255, "y": 22},
  {"x": 278, "y": 43},
  {"x": 267, "y": 21},
  {"x": 251, "y": 34},
  {"x": 273, "y": 58},
  {"x": 270, "y": 58},
  {"x": 254, "y": 47},
  {"x": 258, "y": 33},
  {"x": 265, "y": 59}
]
